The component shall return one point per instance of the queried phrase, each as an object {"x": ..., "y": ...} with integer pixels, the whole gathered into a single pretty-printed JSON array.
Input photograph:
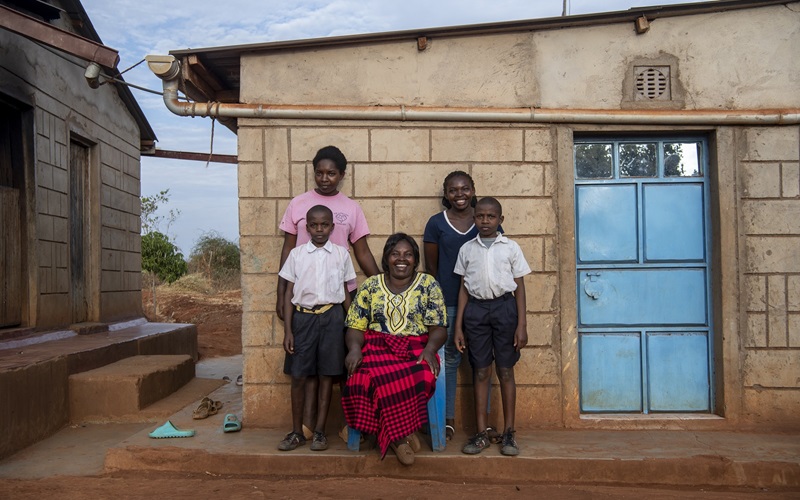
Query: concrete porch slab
[{"x": 666, "y": 458}]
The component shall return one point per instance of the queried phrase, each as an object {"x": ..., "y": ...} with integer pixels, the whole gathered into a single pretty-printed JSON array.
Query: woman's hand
[
  {"x": 353, "y": 360},
  {"x": 430, "y": 358}
]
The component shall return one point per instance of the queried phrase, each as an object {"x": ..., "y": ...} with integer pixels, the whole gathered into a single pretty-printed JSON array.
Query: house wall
[
  {"x": 769, "y": 249},
  {"x": 731, "y": 60},
  {"x": 61, "y": 105}
]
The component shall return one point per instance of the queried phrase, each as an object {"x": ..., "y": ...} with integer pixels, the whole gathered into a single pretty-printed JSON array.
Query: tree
[
  {"x": 161, "y": 257},
  {"x": 216, "y": 258},
  {"x": 150, "y": 205}
]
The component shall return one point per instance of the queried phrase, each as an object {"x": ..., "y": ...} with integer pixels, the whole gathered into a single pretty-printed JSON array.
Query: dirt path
[
  {"x": 221, "y": 487},
  {"x": 218, "y": 317}
]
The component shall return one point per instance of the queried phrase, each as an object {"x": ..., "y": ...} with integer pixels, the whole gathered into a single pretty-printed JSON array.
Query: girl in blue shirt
[{"x": 445, "y": 232}]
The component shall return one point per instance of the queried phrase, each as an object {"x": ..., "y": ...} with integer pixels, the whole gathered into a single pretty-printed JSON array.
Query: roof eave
[
  {"x": 630, "y": 15},
  {"x": 147, "y": 135}
]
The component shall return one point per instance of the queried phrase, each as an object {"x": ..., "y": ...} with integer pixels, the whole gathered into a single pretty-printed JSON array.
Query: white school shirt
[
  {"x": 489, "y": 272},
  {"x": 318, "y": 274}
]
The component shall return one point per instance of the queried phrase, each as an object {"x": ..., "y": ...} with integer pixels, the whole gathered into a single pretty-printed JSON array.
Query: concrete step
[
  {"x": 127, "y": 386},
  {"x": 35, "y": 369},
  {"x": 633, "y": 458}
]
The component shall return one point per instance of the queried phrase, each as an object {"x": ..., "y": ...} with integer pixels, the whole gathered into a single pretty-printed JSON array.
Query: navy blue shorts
[
  {"x": 489, "y": 327},
  {"x": 318, "y": 344}
]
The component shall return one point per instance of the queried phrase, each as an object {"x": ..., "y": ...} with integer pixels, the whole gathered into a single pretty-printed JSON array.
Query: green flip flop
[
  {"x": 231, "y": 423},
  {"x": 170, "y": 431}
]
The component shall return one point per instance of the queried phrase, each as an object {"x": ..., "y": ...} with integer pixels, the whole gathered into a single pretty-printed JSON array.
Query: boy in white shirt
[
  {"x": 491, "y": 311},
  {"x": 315, "y": 303}
]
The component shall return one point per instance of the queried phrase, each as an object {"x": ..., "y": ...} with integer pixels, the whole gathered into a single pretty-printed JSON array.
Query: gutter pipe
[{"x": 168, "y": 69}]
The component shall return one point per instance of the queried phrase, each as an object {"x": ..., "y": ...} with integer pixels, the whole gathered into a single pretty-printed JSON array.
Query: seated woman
[{"x": 396, "y": 324}]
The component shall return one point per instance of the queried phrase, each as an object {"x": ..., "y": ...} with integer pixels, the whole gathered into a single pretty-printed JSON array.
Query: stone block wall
[
  {"x": 395, "y": 172},
  {"x": 113, "y": 242},
  {"x": 120, "y": 232},
  {"x": 100, "y": 122},
  {"x": 52, "y": 219},
  {"x": 769, "y": 191}
]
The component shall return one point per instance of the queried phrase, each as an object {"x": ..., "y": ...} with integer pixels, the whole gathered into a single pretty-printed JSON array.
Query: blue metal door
[{"x": 644, "y": 302}]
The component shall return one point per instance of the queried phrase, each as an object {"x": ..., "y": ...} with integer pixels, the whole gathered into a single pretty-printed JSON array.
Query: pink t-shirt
[{"x": 350, "y": 225}]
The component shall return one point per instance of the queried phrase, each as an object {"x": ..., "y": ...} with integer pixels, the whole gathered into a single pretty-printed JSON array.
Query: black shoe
[
  {"x": 319, "y": 442},
  {"x": 509, "y": 444},
  {"x": 476, "y": 444},
  {"x": 292, "y": 441}
]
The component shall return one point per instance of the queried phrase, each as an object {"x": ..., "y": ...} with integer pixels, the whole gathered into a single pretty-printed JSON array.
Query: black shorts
[
  {"x": 489, "y": 327},
  {"x": 318, "y": 344}
]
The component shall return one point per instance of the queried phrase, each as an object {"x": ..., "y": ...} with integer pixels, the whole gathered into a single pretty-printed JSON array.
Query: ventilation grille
[{"x": 652, "y": 83}]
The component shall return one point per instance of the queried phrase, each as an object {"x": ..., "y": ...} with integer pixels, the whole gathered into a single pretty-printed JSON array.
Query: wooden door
[
  {"x": 78, "y": 168},
  {"x": 11, "y": 293},
  {"x": 10, "y": 259}
]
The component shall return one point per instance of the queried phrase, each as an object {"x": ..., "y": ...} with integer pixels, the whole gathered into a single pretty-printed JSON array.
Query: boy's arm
[
  {"x": 364, "y": 257},
  {"x": 347, "y": 299},
  {"x": 458, "y": 339},
  {"x": 289, "y": 242},
  {"x": 521, "y": 333},
  {"x": 288, "y": 310}
]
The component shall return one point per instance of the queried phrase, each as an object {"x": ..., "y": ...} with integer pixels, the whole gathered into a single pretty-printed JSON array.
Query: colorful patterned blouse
[{"x": 408, "y": 313}]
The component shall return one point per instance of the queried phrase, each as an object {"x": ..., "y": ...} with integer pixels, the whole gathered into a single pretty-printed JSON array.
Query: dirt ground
[
  {"x": 218, "y": 317},
  {"x": 180, "y": 486}
]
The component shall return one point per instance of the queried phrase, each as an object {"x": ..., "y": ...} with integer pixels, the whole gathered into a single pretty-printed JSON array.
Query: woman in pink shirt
[{"x": 350, "y": 228}]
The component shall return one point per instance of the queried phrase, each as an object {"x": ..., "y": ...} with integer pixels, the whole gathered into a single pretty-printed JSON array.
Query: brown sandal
[{"x": 206, "y": 408}]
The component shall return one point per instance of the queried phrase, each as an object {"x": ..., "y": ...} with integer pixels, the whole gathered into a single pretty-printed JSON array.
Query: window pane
[
  {"x": 593, "y": 161},
  {"x": 682, "y": 159},
  {"x": 637, "y": 160}
]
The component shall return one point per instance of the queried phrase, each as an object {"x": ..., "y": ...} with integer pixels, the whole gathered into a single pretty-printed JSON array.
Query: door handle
[{"x": 592, "y": 287}]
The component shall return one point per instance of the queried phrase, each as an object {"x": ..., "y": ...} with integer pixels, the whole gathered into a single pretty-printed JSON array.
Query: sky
[{"x": 206, "y": 196}]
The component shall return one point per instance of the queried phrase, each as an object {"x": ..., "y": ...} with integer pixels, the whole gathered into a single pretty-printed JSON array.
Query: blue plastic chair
[{"x": 436, "y": 422}]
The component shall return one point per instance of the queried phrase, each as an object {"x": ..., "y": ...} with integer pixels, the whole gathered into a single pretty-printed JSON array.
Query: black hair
[
  {"x": 333, "y": 154},
  {"x": 392, "y": 242},
  {"x": 491, "y": 202},
  {"x": 316, "y": 209},
  {"x": 453, "y": 175}
]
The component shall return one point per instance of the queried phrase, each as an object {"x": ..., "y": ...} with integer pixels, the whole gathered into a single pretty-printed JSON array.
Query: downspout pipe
[{"x": 168, "y": 69}]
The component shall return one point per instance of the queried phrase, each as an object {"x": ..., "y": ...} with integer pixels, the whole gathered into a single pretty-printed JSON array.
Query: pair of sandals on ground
[{"x": 208, "y": 407}]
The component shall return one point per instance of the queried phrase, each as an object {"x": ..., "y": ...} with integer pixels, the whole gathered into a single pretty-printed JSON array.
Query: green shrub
[
  {"x": 161, "y": 257},
  {"x": 217, "y": 259}
]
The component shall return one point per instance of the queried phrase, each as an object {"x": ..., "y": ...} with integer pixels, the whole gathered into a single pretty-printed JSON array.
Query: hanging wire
[
  {"x": 125, "y": 71},
  {"x": 211, "y": 146}
]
